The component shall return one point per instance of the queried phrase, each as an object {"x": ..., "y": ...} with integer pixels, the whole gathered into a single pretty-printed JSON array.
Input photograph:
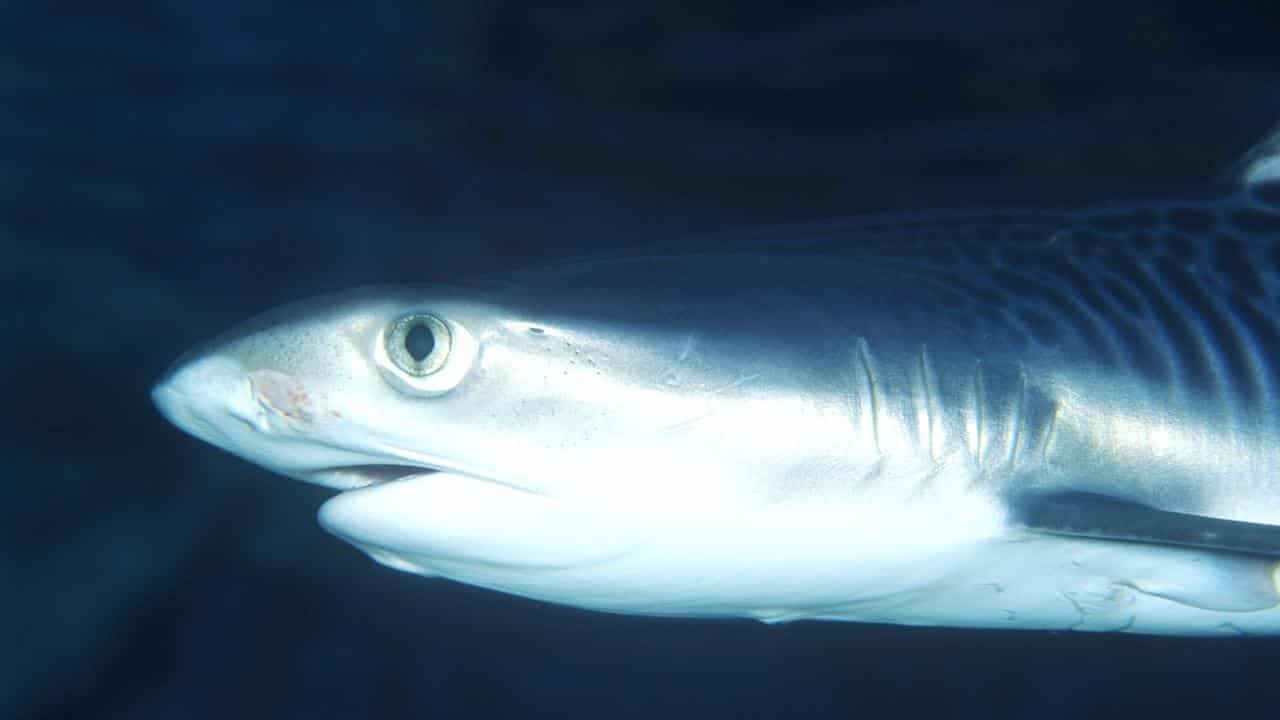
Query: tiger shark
[{"x": 1014, "y": 419}]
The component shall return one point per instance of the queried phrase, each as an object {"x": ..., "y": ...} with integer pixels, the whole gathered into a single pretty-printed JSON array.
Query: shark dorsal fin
[{"x": 1261, "y": 165}]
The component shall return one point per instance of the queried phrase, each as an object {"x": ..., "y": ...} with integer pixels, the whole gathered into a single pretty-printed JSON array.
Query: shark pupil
[
  {"x": 419, "y": 341},
  {"x": 418, "y": 344}
]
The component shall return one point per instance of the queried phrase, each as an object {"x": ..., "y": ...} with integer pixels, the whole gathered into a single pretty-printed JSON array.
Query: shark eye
[
  {"x": 424, "y": 355},
  {"x": 418, "y": 344}
]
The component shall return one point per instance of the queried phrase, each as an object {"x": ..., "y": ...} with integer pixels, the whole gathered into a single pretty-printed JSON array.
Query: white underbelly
[{"x": 954, "y": 561}]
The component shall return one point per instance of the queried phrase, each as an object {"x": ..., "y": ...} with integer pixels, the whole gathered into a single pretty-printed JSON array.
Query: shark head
[
  {"x": 552, "y": 444},
  {"x": 361, "y": 388}
]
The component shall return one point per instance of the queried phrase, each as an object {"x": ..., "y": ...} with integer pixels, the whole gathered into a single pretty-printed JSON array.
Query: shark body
[{"x": 1008, "y": 420}]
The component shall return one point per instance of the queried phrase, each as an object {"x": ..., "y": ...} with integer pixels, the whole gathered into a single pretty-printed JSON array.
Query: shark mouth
[
  {"x": 356, "y": 476},
  {"x": 351, "y": 477}
]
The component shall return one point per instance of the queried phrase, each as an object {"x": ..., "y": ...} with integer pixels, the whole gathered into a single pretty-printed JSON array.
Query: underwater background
[{"x": 168, "y": 169}]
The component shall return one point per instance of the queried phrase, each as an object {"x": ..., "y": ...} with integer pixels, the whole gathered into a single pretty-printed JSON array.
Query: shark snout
[{"x": 200, "y": 394}]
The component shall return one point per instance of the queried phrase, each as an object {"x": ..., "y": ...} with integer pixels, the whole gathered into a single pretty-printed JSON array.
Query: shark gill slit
[
  {"x": 931, "y": 411},
  {"x": 1047, "y": 445},
  {"x": 873, "y": 390},
  {"x": 979, "y": 400},
  {"x": 1018, "y": 418}
]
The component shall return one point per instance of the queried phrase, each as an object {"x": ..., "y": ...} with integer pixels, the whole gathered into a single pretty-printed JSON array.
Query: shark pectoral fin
[
  {"x": 1194, "y": 560},
  {"x": 1106, "y": 518}
]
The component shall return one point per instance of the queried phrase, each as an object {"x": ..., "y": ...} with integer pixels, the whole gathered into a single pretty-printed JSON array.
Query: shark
[{"x": 1015, "y": 419}]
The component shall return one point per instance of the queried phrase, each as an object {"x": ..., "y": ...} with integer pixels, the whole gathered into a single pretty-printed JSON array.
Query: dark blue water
[{"x": 169, "y": 168}]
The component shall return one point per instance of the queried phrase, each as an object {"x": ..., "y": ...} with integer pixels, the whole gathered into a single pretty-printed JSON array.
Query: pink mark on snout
[{"x": 285, "y": 396}]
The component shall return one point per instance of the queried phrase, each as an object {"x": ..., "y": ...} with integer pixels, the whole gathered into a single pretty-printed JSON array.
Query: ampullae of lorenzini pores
[{"x": 1016, "y": 419}]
